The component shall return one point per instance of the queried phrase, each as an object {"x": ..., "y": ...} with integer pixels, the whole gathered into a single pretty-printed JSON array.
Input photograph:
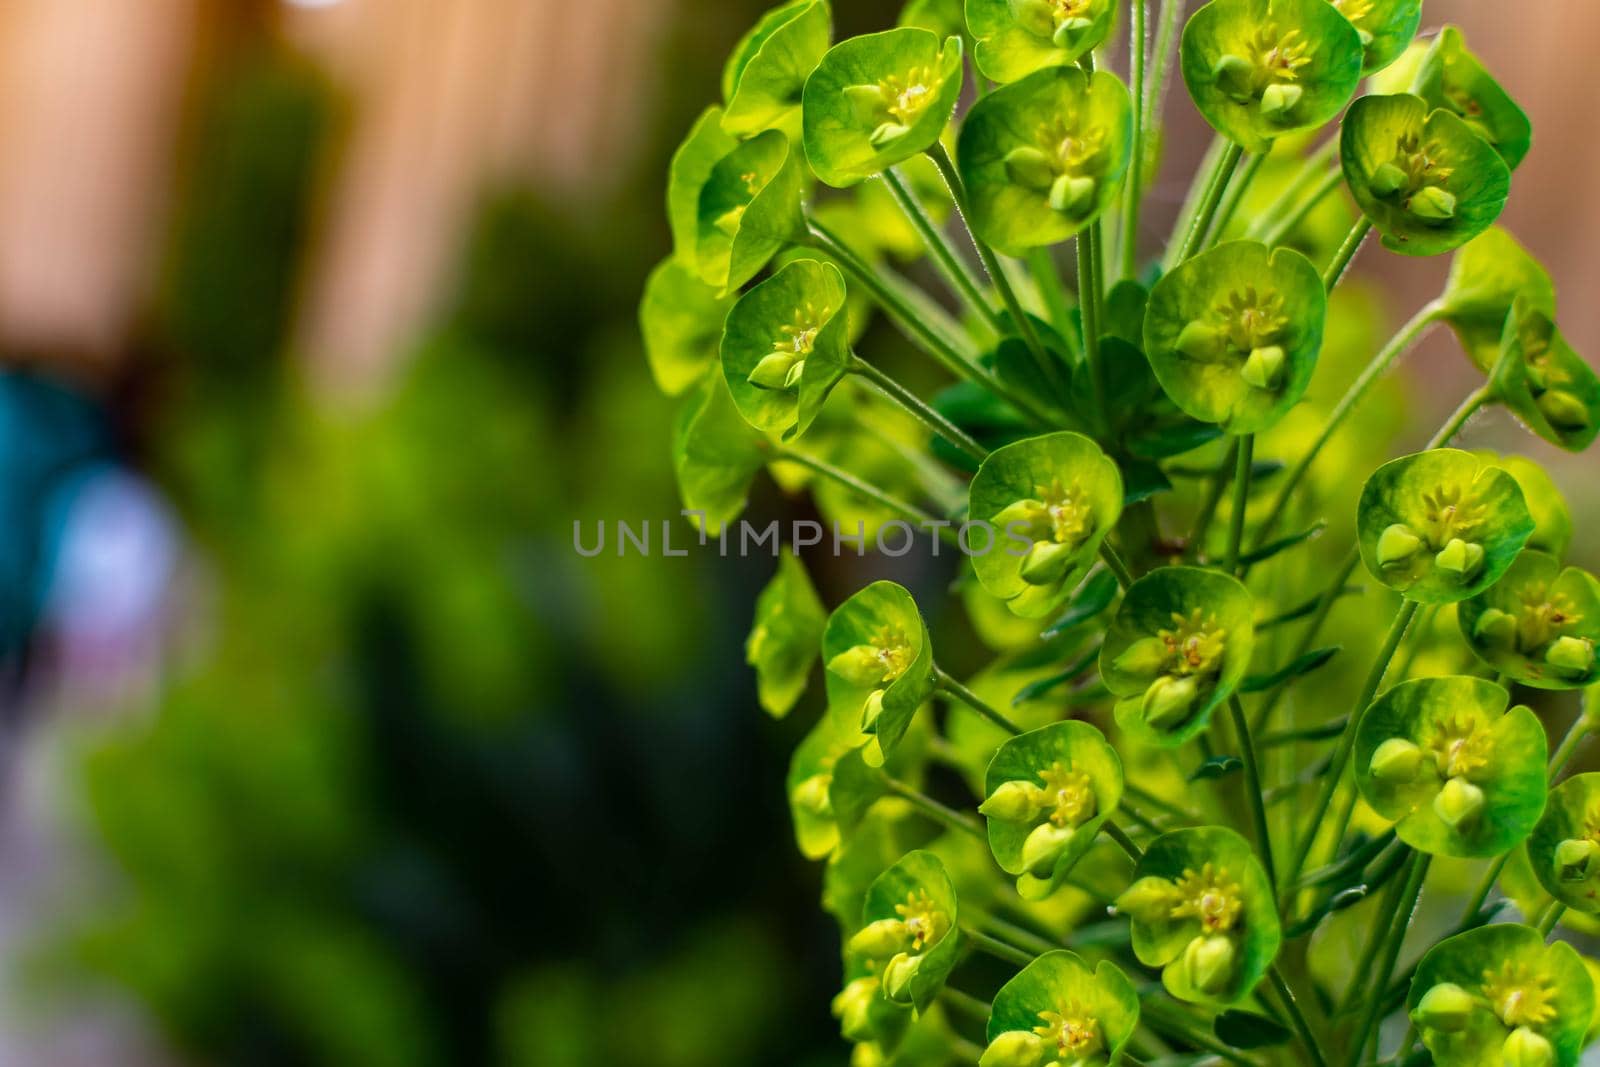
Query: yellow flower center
[
  {"x": 906, "y": 98},
  {"x": 1073, "y": 1030},
  {"x": 1195, "y": 643},
  {"x": 1449, "y": 512},
  {"x": 894, "y": 651},
  {"x": 1071, "y": 791},
  {"x": 799, "y": 336},
  {"x": 1209, "y": 896},
  {"x": 1354, "y": 10},
  {"x": 1519, "y": 994},
  {"x": 924, "y": 919},
  {"x": 1281, "y": 55},
  {"x": 1461, "y": 743},
  {"x": 1073, "y": 144}
]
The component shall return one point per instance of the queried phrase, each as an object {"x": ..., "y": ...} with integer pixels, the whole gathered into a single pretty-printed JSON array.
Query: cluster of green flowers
[{"x": 1086, "y": 422}]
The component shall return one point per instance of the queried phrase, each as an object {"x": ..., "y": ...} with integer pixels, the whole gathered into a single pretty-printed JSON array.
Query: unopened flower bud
[
  {"x": 1397, "y": 544},
  {"x": 1433, "y": 204},
  {"x": 1208, "y": 963},
  {"x": 1145, "y": 657},
  {"x": 1200, "y": 341},
  {"x": 1576, "y": 858},
  {"x": 1235, "y": 75},
  {"x": 1563, "y": 410},
  {"x": 1014, "y": 802},
  {"x": 887, "y": 132},
  {"x": 1279, "y": 99},
  {"x": 1044, "y": 845},
  {"x": 897, "y": 975},
  {"x": 1445, "y": 1007},
  {"x": 1168, "y": 701},
  {"x": 1525, "y": 1048},
  {"x": 1014, "y": 1048},
  {"x": 1496, "y": 627},
  {"x": 1570, "y": 653},
  {"x": 1387, "y": 180},
  {"x": 779, "y": 370},
  {"x": 882, "y": 939},
  {"x": 1030, "y": 168},
  {"x": 1396, "y": 761},
  {"x": 860, "y": 665},
  {"x": 1148, "y": 900},
  {"x": 1458, "y": 803},
  {"x": 1264, "y": 368},
  {"x": 1071, "y": 196},
  {"x": 1459, "y": 558},
  {"x": 1047, "y": 562},
  {"x": 812, "y": 795},
  {"x": 852, "y": 1006}
]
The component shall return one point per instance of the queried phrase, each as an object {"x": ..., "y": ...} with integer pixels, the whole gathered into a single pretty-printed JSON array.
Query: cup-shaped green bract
[
  {"x": 908, "y": 924},
  {"x": 767, "y": 70},
  {"x": 1487, "y": 275},
  {"x": 785, "y": 345},
  {"x": 1203, "y": 909},
  {"x": 880, "y": 663},
  {"x": 1544, "y": 383},
  {"x": 1018, "y": 37},
  {"x": 1385, "y": 27},
  {"x": 1537, "y": 625},
  {"x": 1079, "y": 1015},
  {"x": 1047, "y": 793},
  {"x": 811, "y": 785},
  {"x": 1258, "y": 69},
  {"x": 877, "y": 100},
  {"x": 1233, "y": 333},
  {"x": 1451, "y": 77},
  {"x": 1177, "y": 647},
  {"x": 715, "y": 454},
  {"x": 1459, "y": 774},
  {"x": 691, "y": 166},
  {"x": 1041, "y": 158},
  {"x": 1427, "y": 182},
  {"x": 1050, "y": 502},
  {"x": 1441, "y": 526},
  {"x": 1564, "y": 849},
  {"x": 785, "y": 636},
  {"x": 866, "y": 1016},
  {"x": 1552, "y": 519},
  {"x": 746, "y": 208},
  {"x": 1490, "y": 996},
  {"x": 680, "y": 319}
]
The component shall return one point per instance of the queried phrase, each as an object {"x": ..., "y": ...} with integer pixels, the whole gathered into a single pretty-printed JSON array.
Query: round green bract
[
  {"x": 680, "y": 319},
  {"x": 1385, "y": 27},
  {"x": 747, "y": 209},
  {"x": 784, "y": 639},
  {"x": 1429, "y": 712},
  {"x": 1547, "y": 604},
  {"x": 1396, "y": 152},
  {"x": 1253, "y": 31},
  {"x": 1078, "y": 747},
  {"x": 919, "y": 871},
  {"x": 881, "y": 608},
  {"x": 1154, "y": 604},
  {"x": 1063, "y": 983},
  {"x": 1074, "y": 126},
  {"x": 878, "y": 100},
  {"x": 1537, "y": 364},
  {"x": 799, "y": 315},
  {"x": 1572, "y": 814},
  {"x": 1217, "y": 289},
  {"x": 1055, "y": 467},
  {"x": 715, "y": 454},
  {"x": 1018, "y": 37},
  {"x": 1414, "y": 491},
  {"x": 1451, "y": 77},
  {"x": 835, "y": 735},
  {"x": 1487, "y": 275},
  {"x": 687, "y": 174},
  {"x": 767, "y": 70},
  {"x": 1468, "y": 959},
  {"x": 1552, "y": 519},
  {"x": 1158, "y": 944}
]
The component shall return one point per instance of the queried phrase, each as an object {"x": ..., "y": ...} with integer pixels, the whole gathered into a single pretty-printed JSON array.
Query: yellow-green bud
[
  {"x": 1264, "y": 368},
  {"x": 1169, "y": 700},
  {"x": 868, "y": 1054},
  {"x": 1563, "y": 410},
  {"x": 1200, "y": 341},
  {"x": 1043, "y": 847},
  {"x": 1145, "y": 657},
  {"x": 871, "y": 708},
  {"x": 1433, "y": 204},
  {"x": 1071, "y": 196},
  {"x": 1014, "y": 1048},
  {"x": 1458, "y": 803},
  {"x": 897, "y": 975},
  {"x": 1397, "y": 544},
  {"x": 1235, "y": 75},
  {"x": 1047, "y": 562},
  {"x": 1030, "y": 168},
  {"x": 1445, "y": 1007},
  {"x": 1496, "y": 627},
  {"x": 780, "y": 370},
  {"x": 812, "y": 795},
  {"x": 1387, "y": 180},
  {"x": 1208, "y": 963},
  {"x": 1279, "y": 99},
  {"x": 887, "y": 132},
  {"x": 1067, "y": 33},
  {"x": 882, "y": 939},
  {"x": 869, "y": 102},
  {"x": 1524, "y": 1048},
  {"x": 1575, "y": 859},
  {"x": 1396, "y": 761},
  {"x": 1014, "y": 802},
  {"x": 1570, "y": 653},
  {"x": 1460, "y": 558},
  {"x": 860, "y": 665},
  {"x": 852, "y": 1006},
  {"x": 1149, "y": 900}
]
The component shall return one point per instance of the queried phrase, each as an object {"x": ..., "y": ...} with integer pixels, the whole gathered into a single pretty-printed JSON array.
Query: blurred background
[{"x": 318, "y": 742}]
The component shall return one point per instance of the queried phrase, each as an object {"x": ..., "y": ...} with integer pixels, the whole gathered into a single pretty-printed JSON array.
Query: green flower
[
  {"x": 1203, "y": 909},
  {"x": 784, "y": 639},
  {"x": 1538, "y": 625},
  {"x": 1552, "y": 519},
  {"x": 1460, "y": 774},
  {"x": 767, "y": 69},
  {"x": 687, "y": 175},
  {"x": 1018, "y": 37},
  {"x": 880, "y": 663},
  {"x": 786, "y": 345},
  {"x": 1441, "y": 526},
  {"x": 1487, "y": 275},
  {"x": 1500, "y": 995},
  {"x": 1041, "y": 158},
  {"x": 1047, "y": 794},
  {"x": 1420, "y": 174},
  {"x": 879, "y": 100},
  {"x": 866, "y": 1016},
  {"x": 1069, "y": 1014},
  {"x": 1233, "y": 333},
  {"x": 1564, "y": 849},
  {"x": 1178, "y": 646},
  {"x": 715, "y": 454},
  {"x": 1386, "y": 27},
  {"x": 1544, "y": 382},
  {"x": 1051, "y": 501},
  {"x": 680, "y": 319},
  {"x": 1451, "y": 77},
  {"x": 908, "y": 929},
  {"x": 810, "y": 783},
  {"x": 746, "y": 205},
  {"x": 1258, "y": 69}
]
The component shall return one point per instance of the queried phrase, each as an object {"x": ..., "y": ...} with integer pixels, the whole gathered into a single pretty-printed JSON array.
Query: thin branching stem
[
  {"x": 939, "y": 813},
  {"x": 1347, "y": 251},
  {"x": 1377, "y": 982},
  {"x": 1132, "y": 191},
  {"x": 1216, "y": 187},
  {"x": 910, "y": 512},
  {"x": 1244, "y": 457},
  {"x": 918, "y": 408},
  {"x": 955, "y": 269},
  {"x": 975, "y": 702}
]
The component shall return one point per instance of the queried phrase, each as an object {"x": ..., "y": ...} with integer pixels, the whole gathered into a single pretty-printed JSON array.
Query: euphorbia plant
[{"x": 1182, "y": 823}]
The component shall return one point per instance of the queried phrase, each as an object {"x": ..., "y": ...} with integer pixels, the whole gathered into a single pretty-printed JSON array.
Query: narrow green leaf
[
  {"x": 1093, "y": 597},
  {"x": 1246, "y": 1029},
  {"x": 1307, "y": 663},
  {"x": 1217, "y": 767},
  {"x": 1283, "y": 544}
]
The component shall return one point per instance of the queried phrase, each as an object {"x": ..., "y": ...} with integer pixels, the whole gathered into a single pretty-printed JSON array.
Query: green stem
[
  {"x": 1089, "y": 309},
  {"x": 1346, "y": 252},
  {"x": 1144, "y": 796},
  {"x": 1310, "y": 168},
  {"x": 934, "y": 810},
  {"x": 1199, "y": 183},
  {"x": 978, "y": 1009},
  {"x": 909, "y": 512},
  {"x": 1297, "y": 1018},
  {"x": 955, "y": 270},
  {"x": 1117, "y": 564},
  {"x": 1377, "y": 983},
  {"x": 1253, "y": 788},
  {"x": 1132, "y": 193},
  {"x": 1469, "y": 407},
  {"x": 1208, "y": 506},
  {"x": 1285, "y": 226},
  {"x": 1177, "y": 1024},
  {"x": 1014, "y": 934},
  {"x": 1168, "y": 23},
  {"x": 1216, "y": 186},
  {"x": 915, "y": 406},
  {"x": 973, "y": 701},
  {"x": 1047, "y": 279},
  {"x": 1577, "y": 733},
  {"x": 1123, "y": 841},
  {"x": 1244, "y": 457},
  {"x": 1552, "y": 915},
  {"x": 1236, "y": 194},
  {"x": 997, "y": 948}
]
